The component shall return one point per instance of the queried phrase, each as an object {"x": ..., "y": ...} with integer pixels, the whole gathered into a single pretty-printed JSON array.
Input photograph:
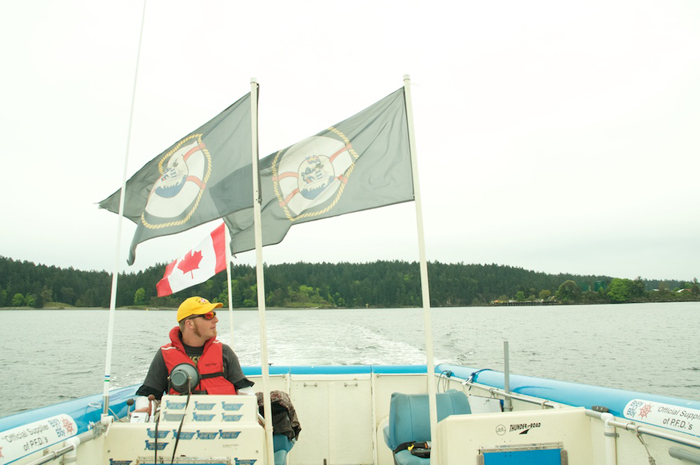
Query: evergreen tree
[
  {"x": 385, "y": 284},
  {"x": 17, "y": 300}
]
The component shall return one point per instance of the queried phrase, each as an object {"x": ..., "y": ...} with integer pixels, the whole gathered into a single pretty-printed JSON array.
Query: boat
[
  {"x": 361, "y": 414},
  {"x": 356, "y": 414}
]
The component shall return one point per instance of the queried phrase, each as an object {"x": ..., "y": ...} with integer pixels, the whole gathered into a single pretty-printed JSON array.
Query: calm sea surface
[{"x": 48, "y": 356}]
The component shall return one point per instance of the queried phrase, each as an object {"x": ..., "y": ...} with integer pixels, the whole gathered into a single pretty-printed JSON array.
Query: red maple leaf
[{"x": 190, "y": 262}]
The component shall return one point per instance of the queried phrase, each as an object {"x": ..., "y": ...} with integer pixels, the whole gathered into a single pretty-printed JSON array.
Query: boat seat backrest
[
  {"x": 409, "y": 415},
  {"x": 281, "y": 445}
]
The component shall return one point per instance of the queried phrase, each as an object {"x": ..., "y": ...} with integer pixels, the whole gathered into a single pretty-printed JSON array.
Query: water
[{"x": 48, "y": 356}]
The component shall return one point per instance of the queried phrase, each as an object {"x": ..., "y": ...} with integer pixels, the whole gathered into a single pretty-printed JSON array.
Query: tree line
[{"x": 381, "y": 284}]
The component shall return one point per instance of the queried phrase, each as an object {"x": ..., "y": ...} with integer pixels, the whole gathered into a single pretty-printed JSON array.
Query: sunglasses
[{"x": 206, "y": 316}]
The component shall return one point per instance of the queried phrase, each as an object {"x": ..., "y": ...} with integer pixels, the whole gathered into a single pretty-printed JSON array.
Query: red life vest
[{"x": 210, "y": 364}]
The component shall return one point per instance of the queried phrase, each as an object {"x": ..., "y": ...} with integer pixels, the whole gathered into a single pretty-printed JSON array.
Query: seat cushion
[{"x": 406, "y": 458}]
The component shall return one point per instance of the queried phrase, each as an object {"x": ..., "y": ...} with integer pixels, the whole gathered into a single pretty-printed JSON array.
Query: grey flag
[
  {"x": 361, "y": 163},
  {"x": 205, "y": 175}
]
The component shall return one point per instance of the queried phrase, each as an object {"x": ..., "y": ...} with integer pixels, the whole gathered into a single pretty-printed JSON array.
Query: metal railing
[
  {"x": 72, "y": 444},
  {"x": 495, "y": 391},
  {"x": 635, "y": 428}
]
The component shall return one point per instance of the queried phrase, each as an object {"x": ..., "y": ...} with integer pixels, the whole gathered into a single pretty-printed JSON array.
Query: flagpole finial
[
  {"x": 253, "y": 80},
  {"x": 406, "y": 77}
]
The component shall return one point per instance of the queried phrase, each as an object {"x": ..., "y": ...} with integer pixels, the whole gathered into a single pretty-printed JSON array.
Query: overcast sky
[{"x": 561, "y": 137}]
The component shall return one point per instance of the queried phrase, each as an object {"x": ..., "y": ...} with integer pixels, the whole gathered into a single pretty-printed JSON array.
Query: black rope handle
[{"x": 177, "y": 438}]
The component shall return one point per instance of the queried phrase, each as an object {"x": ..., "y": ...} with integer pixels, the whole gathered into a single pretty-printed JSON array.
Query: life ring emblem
[
  {"x": 184, "y": 173},
  {"x": 311, "y": 173}
]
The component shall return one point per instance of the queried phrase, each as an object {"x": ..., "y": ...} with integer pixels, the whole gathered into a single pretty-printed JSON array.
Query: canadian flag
[{"x": 199, "y": 264}]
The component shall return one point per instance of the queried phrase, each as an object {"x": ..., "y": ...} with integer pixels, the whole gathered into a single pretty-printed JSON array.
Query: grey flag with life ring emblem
[
  {"x": 360, "y": 163},
  {"x": 203, "y": 176}
]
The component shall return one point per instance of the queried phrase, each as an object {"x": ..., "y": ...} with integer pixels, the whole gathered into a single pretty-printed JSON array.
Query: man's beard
[{"x": 199, "y": 334}]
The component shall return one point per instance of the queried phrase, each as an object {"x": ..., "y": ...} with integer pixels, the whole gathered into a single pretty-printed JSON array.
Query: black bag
[{"x": 419, "y": 449}]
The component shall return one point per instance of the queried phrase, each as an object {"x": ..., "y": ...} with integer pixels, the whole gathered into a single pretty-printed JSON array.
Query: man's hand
[{"x": 146, "y": 404}]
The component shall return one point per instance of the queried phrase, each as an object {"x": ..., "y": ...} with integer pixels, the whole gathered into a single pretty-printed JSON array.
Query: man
[{"x": 194, "y": 341}]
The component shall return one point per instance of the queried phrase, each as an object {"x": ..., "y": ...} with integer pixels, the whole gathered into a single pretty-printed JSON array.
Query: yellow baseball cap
[{"x": 195, "y": 306}]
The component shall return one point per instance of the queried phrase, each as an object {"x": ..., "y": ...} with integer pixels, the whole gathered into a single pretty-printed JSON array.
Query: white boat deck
[{"x": 343, "y": 416}]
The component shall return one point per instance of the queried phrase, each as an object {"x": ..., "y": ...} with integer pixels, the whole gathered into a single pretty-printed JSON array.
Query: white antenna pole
[
  {"x": 427, "y": 324},
  {"x": 260, "y": 277},
  {"x": 115, "y": 273},
  {"x": 228, "y": 280}
]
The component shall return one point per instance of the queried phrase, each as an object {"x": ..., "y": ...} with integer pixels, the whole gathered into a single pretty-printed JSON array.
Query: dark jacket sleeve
[{"x": 156, "y": 381}]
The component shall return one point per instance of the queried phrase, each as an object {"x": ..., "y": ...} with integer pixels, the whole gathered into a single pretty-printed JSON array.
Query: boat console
[
  {"x": 224, "y": 428},
  {"x": 544, "y": 437}
]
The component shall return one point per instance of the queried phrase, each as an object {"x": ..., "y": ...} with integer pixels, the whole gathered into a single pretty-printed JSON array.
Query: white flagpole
[
  {"x": 260, "y": 278},
  {"x": 228, "y": 280},
  {"x": 115, "y": 273},
  {"x": 427, "y": 324}
]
